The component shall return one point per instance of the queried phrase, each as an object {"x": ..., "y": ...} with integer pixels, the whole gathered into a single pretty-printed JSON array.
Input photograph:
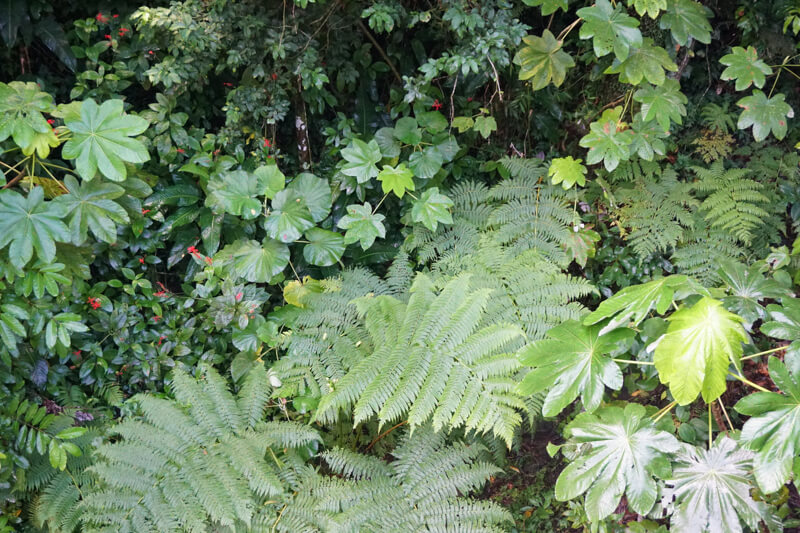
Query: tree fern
[
  {"x": 429, "y": 361},
  {"x": 204, "y": 460},
  {"x": 734, "y": 202},
  {"x": 421, "y": 489},
  {"x": 655, "y": 212},
  {"x": 326, "y": 336}
]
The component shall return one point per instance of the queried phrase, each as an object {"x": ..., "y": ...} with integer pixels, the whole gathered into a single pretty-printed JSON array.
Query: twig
[
  {"x": 380, "y": 51},
  {"x": 379, "y": 437}
]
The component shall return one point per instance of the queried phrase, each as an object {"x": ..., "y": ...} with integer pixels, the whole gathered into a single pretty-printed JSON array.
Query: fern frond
[{"x": 428, "y": 345}]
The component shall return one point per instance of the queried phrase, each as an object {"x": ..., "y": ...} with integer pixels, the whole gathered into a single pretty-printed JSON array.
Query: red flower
[
  {"x": 208, "y": 260},
  {"x": 116, "y": 16},
  {"x": 121, "y": 33},
  {"x": 161, "y": 338},
  {"x": 157, "y": 318},
  {"x": 269, "y": 157},
  {"x": 239, "y": 296},
  {"x": 267, "y": 143},
  {"x": 274, "y": 76},
  {"x": 192, "y": 250},
  {"x": 51, "y": 121},
  {"x": 436, "y": 105},
  {"x": 160, "y": 293},
  {"x": 180, "y": 150},
  {"x": 150, "y": 52},
  {"x": 102, "y": 19},
  {"x": 227, "y": 84},
  {"x": 469, "y": 99},
  {"x": 145, "y": 211},
  {"x": 107, "y": 36},
  {"x": 141, "y": 260},
  {"x": 94, "y": 302},
  {"x": 76, "y": 353}
]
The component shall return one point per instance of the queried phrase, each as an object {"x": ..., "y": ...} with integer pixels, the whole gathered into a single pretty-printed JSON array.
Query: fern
[
  {"x": 421, "y": 489},
  {"x": 635, "y": 170},
  {"x": 714, "y": 145},
  {"x": 734, "y": 202},
  {"x": 655, "y": 213},
  {"x": 205, "y": 459},
  {"x": 719, "y": 118},
  {"x": 326, "y": 340},
  {"x": 703, "y": 251},
  {"x": 429, "y": 360}
]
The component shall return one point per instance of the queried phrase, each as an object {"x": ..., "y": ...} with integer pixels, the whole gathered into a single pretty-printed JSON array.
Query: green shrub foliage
[{"x": 355, "y": 266}]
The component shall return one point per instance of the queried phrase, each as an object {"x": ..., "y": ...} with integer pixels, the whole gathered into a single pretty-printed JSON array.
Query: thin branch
[{"x": 380, "y": 51}]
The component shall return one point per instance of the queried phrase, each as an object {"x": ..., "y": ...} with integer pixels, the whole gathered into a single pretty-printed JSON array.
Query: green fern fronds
[
  {"x": 421, "y": 489},
  {"x": 655, "y": 213},
  {"x": 734, "y": 202},
  {"x": 719, "y": 117},
  {"x": 430, "y": 361},
  {"x": 206, "y": 459},
  {"x": 703, "y": 250}
]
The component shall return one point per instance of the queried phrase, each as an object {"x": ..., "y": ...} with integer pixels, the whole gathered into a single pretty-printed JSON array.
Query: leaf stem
[
  {"x": 631, "y": 361},
  {"x": 663, "y": 411},
  {"x": 710, "y": 436},
  {"x": 748, "y": 382},
  {"x": 565, "y": 31},
  {"x": 765, "y": 352}
]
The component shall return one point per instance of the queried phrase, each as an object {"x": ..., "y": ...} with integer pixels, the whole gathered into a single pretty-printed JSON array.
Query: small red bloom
[
  {"x": 76, "y": 353},
  {"x": 436, "y": 105},
  {"x": 208, "y": 260},
  {"x": 107, "y": 36},
  {"x": 102, "y": 19},
  {"x": 150, "y": 52},
  {"x": 157, "y": 318},
  {"x": 160, "y": 293},
  {"x": 274, "y": 76},
  {"x": 217, "y": 151},
  {"x": 180, "y": 150},
  {"x": 121, "y": 33},
  {"x": 239, "y": 296},
  {"x": 227, "y": 84},
  {"x": 145, "y": 211},
  {"x": 469, "y": 99},
  {"x": 161, "y": 338},
  {"x": 269, "y": 157},
  {"x": 94, "y": 302},
  {"x": 192, "y": 250},
  {"x": 116, "y": 16},
  {"x": 267, "y": 143},
  {"x": 141, "y": 260},
  {"x": 51, "y": 121}
]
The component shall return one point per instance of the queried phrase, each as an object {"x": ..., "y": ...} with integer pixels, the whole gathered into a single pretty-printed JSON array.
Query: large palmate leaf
[
  {"x": 289, "y": 216},
  {"x": 617, "y": 451},
  {"x": 30, "y": 224},
  {"x": 646, "y": 62},
  {"x": 567, "y": 171},
  {"x": 745, "y": 67},
  {"x": 257, "y": 263},
  {"x": 362, "y": 225},
  {"x": 235, "y": 193},
  {"x": 748, "y": 288},
  {"x": 543, "y": 61},
  {"x": 709, "y": 491},
  {"x": 773, "y": 430},
  {"x": 764, "y": 114},
  {"x": 608, "y": 141},
  {"x": 662, "y": 103},
  {"x": 91, "y": 206},
  {"x": 407, "y": 131},
  {"x": 573, "y": 360},
  {"x": 651, "y": 7},
  {"x": 21, "y": 108},
  {"x": 101, "y": 140},
  {"x": 685, "y": 19},
  {"x": 633, "y": 304},
  {"x": 648, "y": 138},
  {"x": 361, "y": 158},
  {"x": 610, "y": 28},
  {"x": 693, "y": 357},
  {"x": 397, "y": 179},
  {"x": 432, "y": 208},
  {"x": 324, "y": 247},
  {"x": 784, "y": 323}
]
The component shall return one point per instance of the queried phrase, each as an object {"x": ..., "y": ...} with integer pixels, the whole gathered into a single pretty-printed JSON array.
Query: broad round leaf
[{"x": 324, "y": 247}]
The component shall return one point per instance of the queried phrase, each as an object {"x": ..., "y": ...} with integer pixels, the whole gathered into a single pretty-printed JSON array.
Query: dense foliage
[{"x": 343, "y": 266}]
